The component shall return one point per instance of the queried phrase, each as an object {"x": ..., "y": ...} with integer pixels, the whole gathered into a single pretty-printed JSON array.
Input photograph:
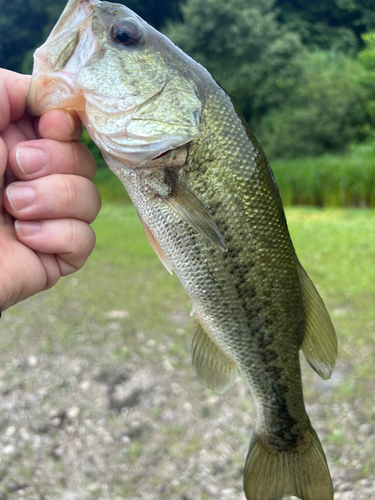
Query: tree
[
  {"x": 329, "y": 24},
  {"x": 326, "y": 112},
  {"x": 20, "y": 28},
  {"x": 25, "y": 24},
  {"x": 245, "y": 48}
]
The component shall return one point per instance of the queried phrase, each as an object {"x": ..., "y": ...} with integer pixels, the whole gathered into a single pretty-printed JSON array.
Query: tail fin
[{"x": 272, "y": 475}]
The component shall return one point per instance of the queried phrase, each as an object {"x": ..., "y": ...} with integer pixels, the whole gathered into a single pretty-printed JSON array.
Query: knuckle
[
  {"x": 73, "y": 238},
  {"x": 71, "y": 191},
  {"x": 81, "y": 244},
  {"x": 82, "y": 161},
  {"x": 76, "y": 157}
]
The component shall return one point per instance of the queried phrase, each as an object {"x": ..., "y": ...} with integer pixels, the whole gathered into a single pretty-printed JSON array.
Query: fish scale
[
  {"x": 211, "y": 210},
  {"x": 240, "y": 276}
]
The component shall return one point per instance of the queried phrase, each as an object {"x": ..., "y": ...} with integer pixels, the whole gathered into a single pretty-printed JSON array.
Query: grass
[
  {"x": 330, "y": 180},
  {"x": 336, "y": 246},
  {"x": 111, "y": 189}
]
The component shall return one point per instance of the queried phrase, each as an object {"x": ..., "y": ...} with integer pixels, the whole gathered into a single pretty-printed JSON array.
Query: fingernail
[
  {"x": 71, "y": 123},
  {"x": 27, "y": 227},
  {"x": 31, "y": 160},
  {"x": 20, "y": 197}
]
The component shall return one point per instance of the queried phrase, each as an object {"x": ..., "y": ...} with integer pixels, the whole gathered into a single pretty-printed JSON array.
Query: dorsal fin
[{"x": 319, "y": 343}]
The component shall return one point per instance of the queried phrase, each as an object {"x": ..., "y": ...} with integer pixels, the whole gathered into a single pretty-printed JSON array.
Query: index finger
[{"x": 13, "y": 92}]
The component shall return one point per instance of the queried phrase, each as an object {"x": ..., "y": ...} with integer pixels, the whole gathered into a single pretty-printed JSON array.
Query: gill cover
[{"x": 133, "y": 100}]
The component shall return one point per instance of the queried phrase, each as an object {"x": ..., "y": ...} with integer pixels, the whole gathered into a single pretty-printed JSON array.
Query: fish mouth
[
  {"x": 52, "y": 87},
  {"x": 46, "y": 93}
]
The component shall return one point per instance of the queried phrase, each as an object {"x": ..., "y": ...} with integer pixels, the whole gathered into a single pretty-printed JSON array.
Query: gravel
[{"x": 80, "y": 422}]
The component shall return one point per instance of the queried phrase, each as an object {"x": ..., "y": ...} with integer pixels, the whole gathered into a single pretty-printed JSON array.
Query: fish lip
[
  {"x": 44, "y": 80},
  {"x": 37, "y": 101}
]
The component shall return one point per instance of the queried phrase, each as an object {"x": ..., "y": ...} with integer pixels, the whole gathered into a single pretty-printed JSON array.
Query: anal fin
[
  {"x": 319, "y": 343},
  {"x": 211, "y": 366}
]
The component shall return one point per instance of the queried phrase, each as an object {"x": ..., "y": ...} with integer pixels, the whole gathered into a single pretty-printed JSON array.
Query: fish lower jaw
[{"x": 49, "y": 92}]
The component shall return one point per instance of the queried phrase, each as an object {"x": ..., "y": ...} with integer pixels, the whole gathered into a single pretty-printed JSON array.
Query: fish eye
[{"x": 126, "y": 33}]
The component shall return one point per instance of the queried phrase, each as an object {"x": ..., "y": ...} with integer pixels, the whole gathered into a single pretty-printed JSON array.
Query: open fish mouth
[{"x": 53, "y": 79}]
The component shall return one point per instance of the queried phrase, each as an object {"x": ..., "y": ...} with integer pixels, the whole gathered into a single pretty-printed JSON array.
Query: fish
[{"x": 207, "y": 199}]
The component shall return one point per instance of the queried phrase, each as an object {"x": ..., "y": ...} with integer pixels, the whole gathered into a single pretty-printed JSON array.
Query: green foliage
[
  {"x": 329, "y": 24},
  {"x": 328, "y": 180},
  {"x": 25, "y": 24},
  {"x": 95, "y": 151},
  {"x": 367, "y": 56},
  {"x": 299, "y": 99},
  {"x": 326, "y": 111},
  {"x": 154, "y": 12},
  {"x": 367, "y": 59},
  {"x": 245, "y": 48},
  {"x": 20, "y": 23}
]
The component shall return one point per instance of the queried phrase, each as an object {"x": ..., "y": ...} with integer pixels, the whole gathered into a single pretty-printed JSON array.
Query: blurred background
[
  {"x": 97, "y": 396},
  {"x": 301, "y": 72}
]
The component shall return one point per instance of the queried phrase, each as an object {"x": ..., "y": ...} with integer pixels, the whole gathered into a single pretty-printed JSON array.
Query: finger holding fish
[
  {"x": 54, "y": 196},
  {"x": 67, "y": 242},
  {"x": 43, "y": 157}
]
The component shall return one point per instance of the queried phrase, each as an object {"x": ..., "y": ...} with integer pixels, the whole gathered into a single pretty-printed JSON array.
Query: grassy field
[{"x": 98, "y": 397}]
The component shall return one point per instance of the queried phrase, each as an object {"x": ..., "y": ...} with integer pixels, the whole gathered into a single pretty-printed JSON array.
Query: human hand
[{"x": 47, "y": 199}]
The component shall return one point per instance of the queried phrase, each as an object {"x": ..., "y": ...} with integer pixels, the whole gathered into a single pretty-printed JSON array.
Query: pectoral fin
[
  {"x": 319, "y": 343},
  {"x": 211, "y": 366},
  {"x": 187, "y": 206},
  {"x": 155, "y": 246}
]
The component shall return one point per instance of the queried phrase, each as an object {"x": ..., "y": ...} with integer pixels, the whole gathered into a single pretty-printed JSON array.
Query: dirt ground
[{"x": 78, "y": 423}]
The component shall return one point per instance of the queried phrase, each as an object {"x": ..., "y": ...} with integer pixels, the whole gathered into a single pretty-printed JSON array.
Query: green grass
[
  {"x": 336, "y": 246},
  {"x": 328, "y": 180}
]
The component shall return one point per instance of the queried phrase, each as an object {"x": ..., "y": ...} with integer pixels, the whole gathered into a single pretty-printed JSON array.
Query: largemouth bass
[{"x": 208, "y": 202}]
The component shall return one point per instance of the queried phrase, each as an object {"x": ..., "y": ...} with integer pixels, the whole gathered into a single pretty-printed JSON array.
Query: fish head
[{"x": 132, "y": 87}]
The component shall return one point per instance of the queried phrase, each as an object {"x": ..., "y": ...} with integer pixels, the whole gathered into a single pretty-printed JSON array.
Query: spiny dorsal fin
[
  {"x": 192, "y": 211},
  {"x": 319, "y": 343},
  {"x": 155, "y": 246},
  {"x": 212, "y": 367}
]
